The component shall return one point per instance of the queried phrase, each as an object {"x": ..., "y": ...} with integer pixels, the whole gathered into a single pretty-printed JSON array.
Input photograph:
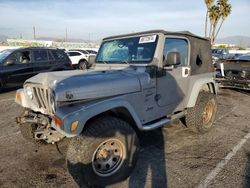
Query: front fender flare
[{"x": 88, "y": 112}]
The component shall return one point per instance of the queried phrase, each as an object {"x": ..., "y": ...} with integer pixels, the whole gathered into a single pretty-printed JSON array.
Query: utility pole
[
  {"x": 66, "y": 34},
  {"x": 34, "y": 32}
]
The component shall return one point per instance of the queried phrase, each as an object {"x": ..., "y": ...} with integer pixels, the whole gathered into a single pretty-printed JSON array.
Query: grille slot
[{"x": 42, "y": 98}]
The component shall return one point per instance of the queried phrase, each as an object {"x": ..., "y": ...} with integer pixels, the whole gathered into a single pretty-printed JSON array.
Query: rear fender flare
[{"x": 198, "y": 86}]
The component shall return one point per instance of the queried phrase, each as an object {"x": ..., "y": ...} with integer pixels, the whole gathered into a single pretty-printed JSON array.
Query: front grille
[{"x": 42, "y": 99}]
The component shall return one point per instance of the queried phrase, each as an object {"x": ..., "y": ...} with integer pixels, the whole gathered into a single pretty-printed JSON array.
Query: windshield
[
  {"x": 4, "y": 54},
  {"x": 130, "y": 50}
]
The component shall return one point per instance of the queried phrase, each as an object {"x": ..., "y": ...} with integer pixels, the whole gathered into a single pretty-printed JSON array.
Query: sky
[{"x": 95, "y": 19}]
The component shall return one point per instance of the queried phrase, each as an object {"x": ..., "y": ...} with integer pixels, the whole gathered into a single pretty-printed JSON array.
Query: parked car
[
  {"x": 220, "y": 53},
  {"x": 92, "y": 52},
  {"x": 140, "y": 82},
  {"x": 81, "y": 59},
  {"x": 234, "y": 55},
  {"x": 245, "y": 57},
  {"x": 234, "y": 73},
  {"x": 17, "y": 65}
]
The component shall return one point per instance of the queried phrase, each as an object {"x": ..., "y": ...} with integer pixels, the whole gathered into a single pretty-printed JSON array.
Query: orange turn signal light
[
  {"x": 74, "y": 126},
  {"x": 18, "y": 97}
]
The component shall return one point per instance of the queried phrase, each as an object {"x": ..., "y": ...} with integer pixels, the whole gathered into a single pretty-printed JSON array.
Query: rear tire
[
  {"x": 200, "y": 118},
  {"x": 104, "y": 154}
]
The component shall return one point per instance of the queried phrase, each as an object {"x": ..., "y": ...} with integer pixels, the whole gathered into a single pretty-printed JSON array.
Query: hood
[{"x": 79, "y": 85}]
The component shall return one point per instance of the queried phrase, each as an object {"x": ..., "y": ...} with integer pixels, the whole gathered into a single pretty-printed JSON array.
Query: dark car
[
  {"x": 17, "y": 65},
  {"x": 245, "y": 57},
  {"x": 220, "y": 53},
  {"x": 234, "y": 73}
]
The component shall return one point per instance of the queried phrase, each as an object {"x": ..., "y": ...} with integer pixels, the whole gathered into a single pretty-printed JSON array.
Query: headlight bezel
[{"x": 53, "y": 101}]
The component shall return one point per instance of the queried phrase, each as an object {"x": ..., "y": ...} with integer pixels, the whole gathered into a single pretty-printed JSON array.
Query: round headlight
[{"x": 29, "y": 92}]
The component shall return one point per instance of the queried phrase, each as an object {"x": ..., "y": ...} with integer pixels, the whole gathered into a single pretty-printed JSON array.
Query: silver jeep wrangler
[{"x": 141, "y": 81}]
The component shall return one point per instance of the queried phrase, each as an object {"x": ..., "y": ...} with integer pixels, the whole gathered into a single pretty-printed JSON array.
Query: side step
[
  {"x": 162, "y": 122},
  {"x": 155, "y": 125}
]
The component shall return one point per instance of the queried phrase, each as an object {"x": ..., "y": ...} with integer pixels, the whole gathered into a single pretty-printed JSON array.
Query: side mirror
[
  {"x": 10, "y": 62},
  {"x": 173, "y": 58}
]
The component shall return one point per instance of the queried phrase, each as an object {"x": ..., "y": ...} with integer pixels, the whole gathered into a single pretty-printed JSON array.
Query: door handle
[{"x": 185, "y": 72}]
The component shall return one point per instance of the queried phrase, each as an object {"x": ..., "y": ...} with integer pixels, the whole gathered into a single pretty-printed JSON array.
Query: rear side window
[
  {"x": 59, "y": 55},
  {"x": 40, "y": 55}
]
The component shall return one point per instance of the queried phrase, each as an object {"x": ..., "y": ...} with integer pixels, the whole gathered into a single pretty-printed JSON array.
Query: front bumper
[{"x": 237, "y": 84}]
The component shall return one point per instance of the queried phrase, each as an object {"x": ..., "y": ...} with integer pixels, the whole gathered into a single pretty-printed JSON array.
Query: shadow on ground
[
  {"x": 247, "y": 172},
  {"x": 151, "y": 167},
  {"x": 150, "y": 170}
]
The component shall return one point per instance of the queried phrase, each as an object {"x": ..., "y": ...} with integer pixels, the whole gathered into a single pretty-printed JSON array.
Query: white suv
[{"x": 81, "y": 59}]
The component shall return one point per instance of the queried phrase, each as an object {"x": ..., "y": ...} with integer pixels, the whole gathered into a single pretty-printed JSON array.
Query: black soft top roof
[
  {"x": 200, "y": 49},
  {"x": 182, "y": 33}
]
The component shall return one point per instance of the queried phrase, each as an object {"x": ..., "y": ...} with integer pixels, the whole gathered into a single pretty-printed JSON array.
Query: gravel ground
[{"x": 169, "y": 157}]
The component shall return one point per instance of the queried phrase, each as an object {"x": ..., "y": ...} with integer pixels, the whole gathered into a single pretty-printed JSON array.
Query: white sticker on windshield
[{"x": 147, "y": 39}]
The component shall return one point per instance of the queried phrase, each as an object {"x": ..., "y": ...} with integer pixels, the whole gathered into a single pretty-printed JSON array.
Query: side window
[
  {"x": 20, "y": 57},
  {"x": 74, "y": 53},
  {"x": 40, "y": 55},
  {"x": 70, "y": 53},
  {"x": 83, "y": 51},
  {"x": 176, "y": 45},
  {"x": 59, "y": 54},
  {"x": 50, "y": 56}
]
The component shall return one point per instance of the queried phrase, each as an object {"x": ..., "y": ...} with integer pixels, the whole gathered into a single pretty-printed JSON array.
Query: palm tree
[
  {"x": 208, "y": 4},
  {"x": 225, "y": 11},
  {"x": 214, "y": 15}
]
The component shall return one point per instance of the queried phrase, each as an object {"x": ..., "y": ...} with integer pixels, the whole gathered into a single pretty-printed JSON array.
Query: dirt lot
[{"x": 171, "y": 157}]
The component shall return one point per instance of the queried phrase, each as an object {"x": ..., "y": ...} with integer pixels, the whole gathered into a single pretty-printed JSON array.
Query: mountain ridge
[{"x": 237, "y": 40}]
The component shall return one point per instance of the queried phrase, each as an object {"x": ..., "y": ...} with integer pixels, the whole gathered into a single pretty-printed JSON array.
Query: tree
[
  {"x": 208, "y": 4},
  {"x": 217, "y": 13},
  {"x": 225, "y": 11},
  {"x": 214, "y": 15}
]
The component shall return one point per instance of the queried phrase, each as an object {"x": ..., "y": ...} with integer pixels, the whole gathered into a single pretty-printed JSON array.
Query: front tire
[
  {"x": 104, "y": 154},
  {"x": 200, "y": 118}
]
